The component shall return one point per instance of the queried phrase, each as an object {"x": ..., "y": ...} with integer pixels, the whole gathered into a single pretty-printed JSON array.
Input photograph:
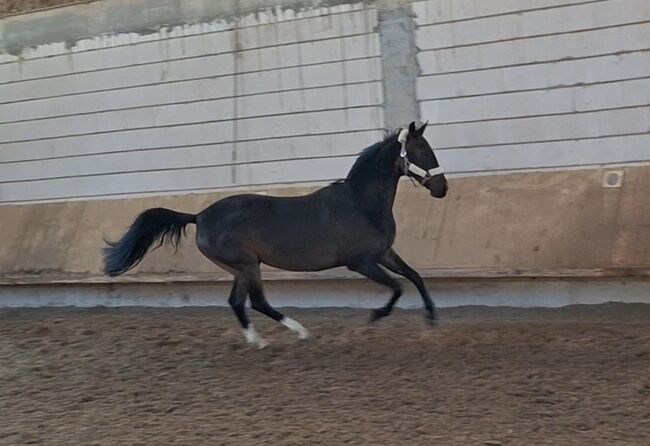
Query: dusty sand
[{"x": 134, "y": 376}]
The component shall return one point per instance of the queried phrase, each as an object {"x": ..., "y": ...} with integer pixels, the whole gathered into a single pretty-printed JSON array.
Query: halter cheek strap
[{"x": 410, "y": 167}]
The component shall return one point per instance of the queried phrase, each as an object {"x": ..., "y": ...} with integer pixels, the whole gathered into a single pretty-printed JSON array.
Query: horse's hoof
[
  {"x": 253, "y": 338},
  {"x": 377, "y": 314},
  {"x": 295, "y": 326},
  {"x": 432, "y": 319}
]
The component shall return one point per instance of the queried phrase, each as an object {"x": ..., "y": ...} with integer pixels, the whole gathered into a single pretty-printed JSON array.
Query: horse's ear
[
  {"x": 423, "y": 128},
  {"x": 412, "y": 128}
]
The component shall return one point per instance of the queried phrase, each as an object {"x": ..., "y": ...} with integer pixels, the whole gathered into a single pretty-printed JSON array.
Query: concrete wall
[
  {"x": 244, "y": 100},
  {"x": 539, "y": 110},
  {"x": 535, "y": 84},
  {"x": 560, "y": 224},
  {"x": 116, "y": 98}
]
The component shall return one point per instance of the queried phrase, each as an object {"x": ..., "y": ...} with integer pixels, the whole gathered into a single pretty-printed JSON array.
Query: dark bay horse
[{"x": 348, "y": 223}]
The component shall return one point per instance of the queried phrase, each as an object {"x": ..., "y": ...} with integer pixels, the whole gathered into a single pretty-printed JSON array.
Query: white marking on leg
[
  {"x": 295, "y": 326},
  {"x": 253, "y": 338}
]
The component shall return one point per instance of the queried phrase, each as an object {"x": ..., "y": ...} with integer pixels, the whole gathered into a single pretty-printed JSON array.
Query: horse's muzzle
[
  {"x": 438, "y": 190},
  {"x": 438, "y": 194}
]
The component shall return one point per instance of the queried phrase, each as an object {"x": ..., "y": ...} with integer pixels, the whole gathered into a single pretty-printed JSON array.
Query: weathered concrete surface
[
  {"x": 543, "y": 224},
  {"x": 72, "y": 23},
  {"x": 399, "y": 62},
  {"x": 333, "y": 293}
]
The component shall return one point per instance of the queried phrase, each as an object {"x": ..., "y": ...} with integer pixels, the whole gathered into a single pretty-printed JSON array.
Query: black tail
[{"x": 153, "y": 225}]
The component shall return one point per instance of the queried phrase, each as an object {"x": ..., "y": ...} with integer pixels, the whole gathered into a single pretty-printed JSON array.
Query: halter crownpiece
[
  {"x": 409, "y": 166},
  {"x": 403, "y": 136}
]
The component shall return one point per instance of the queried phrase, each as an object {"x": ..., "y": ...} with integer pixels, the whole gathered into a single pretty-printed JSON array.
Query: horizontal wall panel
[
  {"x": 327, "y": 26},
  {"x": 192, "y": 112},
  {"x": 533, "y": 23},
  {"x": 539, "y": 76},
  {"x": 543, "y": 128},
  {"x": 350, "y": 71},
  {"x": 145, "y": 96},
  {"x": 272, "y": 80},
  {"x": 537, "y": 50},
  {"x": 109, "y": 55},
  {"x": 250, "y": 60},
  {"x": 171, "y": 158},
  {"x": 295, "y": 101},
  {"x": 195, "y": 134},
  {"x": 306, "y": 146},
  {"x": 130, "y": 89},
  {"x": 177, "y": 180},
  {"x": 260, "y": 151},
  {"x": 188, "y": 91},
  {"x": 121, "y": 120},
  {"x": 539, "y": 102},
  {"x": 434, "y": 11},
  {"x": 332, "y": 121},
  {"x": 310, "y": 76},
  {"x": 251, "y": 41},
  {"x": 571, "y": 153},
  {"x": 120, "y": 78},
  {"x": 197, "y": 67}
]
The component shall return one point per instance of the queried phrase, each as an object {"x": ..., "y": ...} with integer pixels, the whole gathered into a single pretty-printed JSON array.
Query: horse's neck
[{"x": 376, "y": 190}]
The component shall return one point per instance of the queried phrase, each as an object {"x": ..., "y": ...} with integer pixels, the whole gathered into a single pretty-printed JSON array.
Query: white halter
[{"x": 410, "y": 167}]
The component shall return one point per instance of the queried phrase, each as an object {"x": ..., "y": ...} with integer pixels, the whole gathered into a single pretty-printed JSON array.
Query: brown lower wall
[{"x": 542, "y": 224}]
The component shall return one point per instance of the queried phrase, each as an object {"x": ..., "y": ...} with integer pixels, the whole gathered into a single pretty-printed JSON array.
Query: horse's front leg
[
  {"x": 392, "y": 261},
  {"x": 374, "y": 272}
]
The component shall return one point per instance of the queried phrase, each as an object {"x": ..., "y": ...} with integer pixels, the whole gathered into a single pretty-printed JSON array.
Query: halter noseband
[{"x": 425, "y": 175}]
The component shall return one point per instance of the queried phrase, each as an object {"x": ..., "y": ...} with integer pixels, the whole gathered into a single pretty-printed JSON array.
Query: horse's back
[{"x": 310, "y": 232}]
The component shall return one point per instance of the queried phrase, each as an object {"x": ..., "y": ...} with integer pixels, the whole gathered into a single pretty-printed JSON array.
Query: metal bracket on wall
[{"x": 613, "y": 179}]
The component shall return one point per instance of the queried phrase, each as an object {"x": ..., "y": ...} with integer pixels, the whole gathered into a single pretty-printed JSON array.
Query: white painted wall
[
  {"x": 200, "y": 107},
  {"x": 535, "y": 83},
  {"x": 290, "y": 97}
]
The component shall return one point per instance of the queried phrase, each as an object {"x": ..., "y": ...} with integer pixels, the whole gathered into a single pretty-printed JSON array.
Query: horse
[{"x": 348, "y": 223}]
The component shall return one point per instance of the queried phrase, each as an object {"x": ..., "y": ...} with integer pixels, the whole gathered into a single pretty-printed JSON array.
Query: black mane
[
  {"x": 367, "y": 159},
  {"x": 368, "y": 156}
]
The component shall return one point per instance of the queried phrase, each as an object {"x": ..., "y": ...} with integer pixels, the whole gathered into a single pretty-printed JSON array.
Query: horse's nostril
[{"x": 445, "y": 188}]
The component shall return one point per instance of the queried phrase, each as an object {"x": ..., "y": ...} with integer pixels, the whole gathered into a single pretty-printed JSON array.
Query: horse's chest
[{"x": 381, "y": 232}]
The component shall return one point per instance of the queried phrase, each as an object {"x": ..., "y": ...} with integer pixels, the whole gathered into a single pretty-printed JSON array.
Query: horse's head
[{"x": 419, "y": 161}]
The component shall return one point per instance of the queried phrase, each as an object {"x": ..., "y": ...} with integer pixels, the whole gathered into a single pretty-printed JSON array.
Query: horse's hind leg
[
  {"x": 253, "y": 280},
  {"x": 237, "y": 301}
]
